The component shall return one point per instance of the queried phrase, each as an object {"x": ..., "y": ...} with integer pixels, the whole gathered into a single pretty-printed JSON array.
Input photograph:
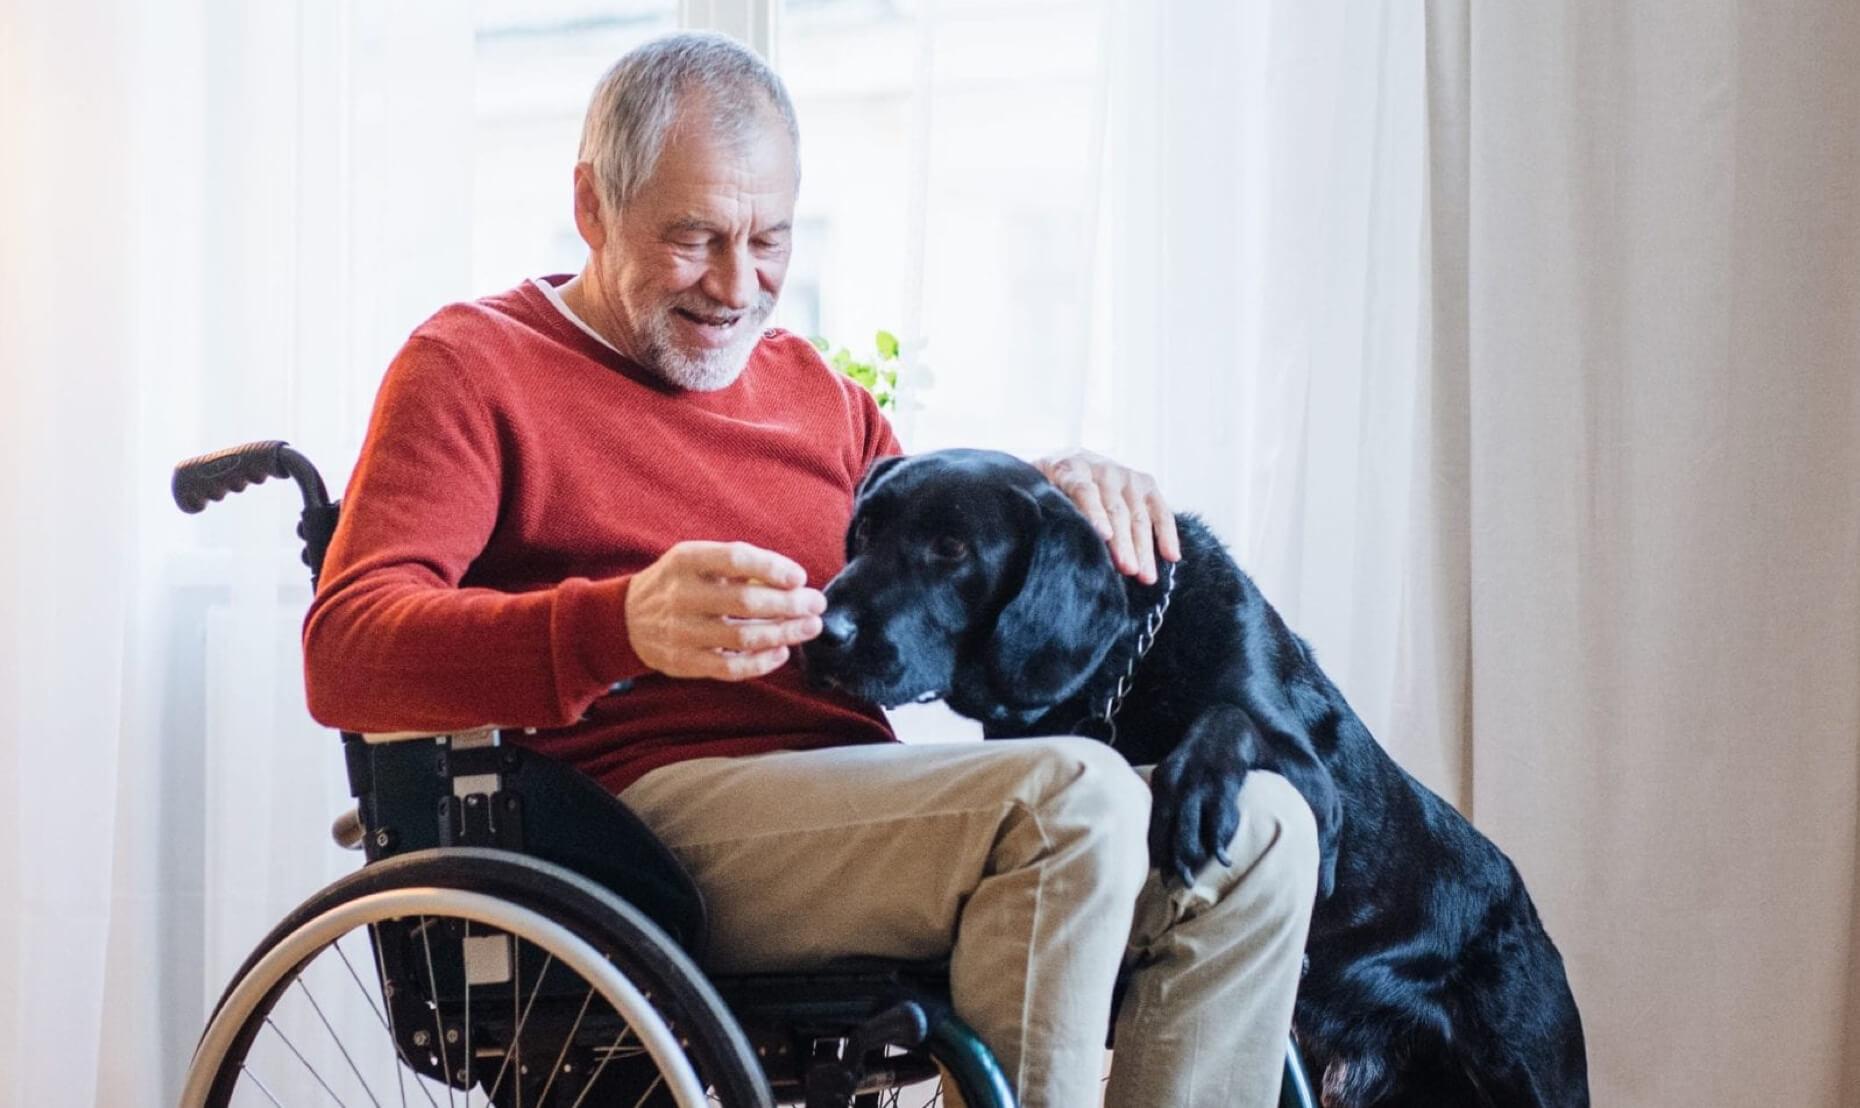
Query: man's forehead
[{"x": 757, "y": 156}]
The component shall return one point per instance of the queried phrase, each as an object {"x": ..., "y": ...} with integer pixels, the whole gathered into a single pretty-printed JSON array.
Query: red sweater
[{"x": 515, "y": 475}]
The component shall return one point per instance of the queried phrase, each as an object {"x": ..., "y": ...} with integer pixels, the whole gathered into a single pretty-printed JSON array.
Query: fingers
[
  {"x": 1124, "y": 506},
  {"x": 729, "y": 611},
  {"x": 720, "y": 666},
  {"x": 740, "y": 561},
  {"x": 714, "y": 633},
  {"x": 1168, "y": 542},
  {"x": 1097, "y": 486},
  {"x": 1082, "y": 490},
  {"x": 714, "y": 597},
  {"x": 1141, "y": 533}
]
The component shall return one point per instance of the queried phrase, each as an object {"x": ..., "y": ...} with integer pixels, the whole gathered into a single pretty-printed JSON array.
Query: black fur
[{"x": 1431, "y": 980}]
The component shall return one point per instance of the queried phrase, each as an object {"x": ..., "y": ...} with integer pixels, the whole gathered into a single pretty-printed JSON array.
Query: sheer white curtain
[
  {"x": 1188, "y": 236},
  {"x": 1518, "y": 352},
  {"x": 219, "y": 220},
  {"x": 1661, "y": 281},
  {"x": 1259, "y": 300}
]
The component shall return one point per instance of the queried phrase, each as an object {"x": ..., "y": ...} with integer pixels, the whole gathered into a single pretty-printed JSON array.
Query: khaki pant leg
[
  {"x": 1214, "y": 967},
  {"x": 1019, "y": 860}
]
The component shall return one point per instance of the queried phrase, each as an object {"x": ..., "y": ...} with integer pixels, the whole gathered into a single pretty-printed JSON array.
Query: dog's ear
[
  {"x": 874, "y": 473},
  {"x": 1058, "y": 627}
]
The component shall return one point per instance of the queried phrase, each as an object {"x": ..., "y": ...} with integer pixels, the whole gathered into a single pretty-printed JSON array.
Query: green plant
[{"x": 877, "y": 372}]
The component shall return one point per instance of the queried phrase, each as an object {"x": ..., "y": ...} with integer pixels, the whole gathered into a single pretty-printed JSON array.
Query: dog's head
[{"x": 967, "y": 567}]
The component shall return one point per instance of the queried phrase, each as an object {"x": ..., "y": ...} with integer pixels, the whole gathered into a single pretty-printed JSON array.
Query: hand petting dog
[{"x": 1122, "y": 504}]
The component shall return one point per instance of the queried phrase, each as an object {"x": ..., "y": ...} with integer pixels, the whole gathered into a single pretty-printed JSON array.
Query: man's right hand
[{"x": 724, "y": 610}]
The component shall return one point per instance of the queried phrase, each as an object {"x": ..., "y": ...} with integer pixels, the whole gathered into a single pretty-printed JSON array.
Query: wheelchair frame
[{"x": 532, "y": 849}]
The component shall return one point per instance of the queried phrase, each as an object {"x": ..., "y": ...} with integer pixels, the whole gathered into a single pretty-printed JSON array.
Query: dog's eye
[
  {"x": 861, "y": 532},
  {"x": 949, "y": 548}
]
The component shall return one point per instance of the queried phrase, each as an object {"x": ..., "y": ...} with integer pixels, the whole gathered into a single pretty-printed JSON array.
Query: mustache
[{"x": 710, "y": 309}]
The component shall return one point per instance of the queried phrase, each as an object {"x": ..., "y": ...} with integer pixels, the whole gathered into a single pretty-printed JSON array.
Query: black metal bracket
[{"x": 475, "y": 809}]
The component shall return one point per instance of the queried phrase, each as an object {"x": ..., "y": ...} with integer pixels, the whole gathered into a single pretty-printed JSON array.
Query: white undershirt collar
[{"x": 555, "y": 297}]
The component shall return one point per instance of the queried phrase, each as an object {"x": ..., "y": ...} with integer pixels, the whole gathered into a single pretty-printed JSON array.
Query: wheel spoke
[
  {"x": 543, "y": 1097},
  {"x": 247, "y": 1070},
  {"x": 432, "y": 999},
  {"x": 469, "y": 1063},
  {"x": 292, "y": 1047},
  {"x": 596, "y": 1075},
  {"x": 374, "y": 934},
  {"x": 516, "y": 1036},
  {"x": 399, "y": 1074},
  {"x": 353, "y": 1068},
  {"x": 656, "y": 1082}
]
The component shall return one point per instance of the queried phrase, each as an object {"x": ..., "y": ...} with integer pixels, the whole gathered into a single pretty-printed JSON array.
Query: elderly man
[{"x": 600, "y": 505}]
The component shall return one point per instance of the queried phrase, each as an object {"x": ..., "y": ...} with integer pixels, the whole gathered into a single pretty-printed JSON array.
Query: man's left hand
[{"x": 1123, "y": 504}]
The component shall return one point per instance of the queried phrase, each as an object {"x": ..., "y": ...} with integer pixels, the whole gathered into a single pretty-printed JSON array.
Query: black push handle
[
  {"x": 203, "y": 480},
  {"x": 200, "y": 481}
]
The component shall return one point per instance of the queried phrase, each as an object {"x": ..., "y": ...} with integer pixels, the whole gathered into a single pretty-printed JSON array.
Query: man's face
[{"x": 691, "y": 266}]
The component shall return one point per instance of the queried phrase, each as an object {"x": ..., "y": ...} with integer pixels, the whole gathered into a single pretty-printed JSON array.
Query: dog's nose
[{"x": 837, "y": 629}]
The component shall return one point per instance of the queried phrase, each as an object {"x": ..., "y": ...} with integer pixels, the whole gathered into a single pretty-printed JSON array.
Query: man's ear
[
  {"x": 1071, "y": 604},
  {"x": 589, "y": 211}
]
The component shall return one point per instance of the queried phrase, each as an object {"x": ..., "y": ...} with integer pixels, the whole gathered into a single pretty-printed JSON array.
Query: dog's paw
[{"x": 1194, "y": 809}]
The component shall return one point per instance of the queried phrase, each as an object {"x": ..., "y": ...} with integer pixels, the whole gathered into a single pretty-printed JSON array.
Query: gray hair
[{"x": 637, "y": 102}]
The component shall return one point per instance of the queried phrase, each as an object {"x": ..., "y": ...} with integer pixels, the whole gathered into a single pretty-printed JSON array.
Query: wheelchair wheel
[{"x": 470, "y": 977}]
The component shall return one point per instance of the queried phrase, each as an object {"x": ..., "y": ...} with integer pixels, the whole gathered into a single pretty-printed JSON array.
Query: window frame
[{"x": 751, "y": 22}]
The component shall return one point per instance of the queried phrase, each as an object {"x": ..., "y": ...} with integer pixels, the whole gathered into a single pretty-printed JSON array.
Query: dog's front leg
[
  {"x": 1196, "y": 810},
  {"x": 1195, "y": 791}
]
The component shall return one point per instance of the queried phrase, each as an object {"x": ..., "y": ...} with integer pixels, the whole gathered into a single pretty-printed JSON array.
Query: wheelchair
[{"x": 515, "y": 936}]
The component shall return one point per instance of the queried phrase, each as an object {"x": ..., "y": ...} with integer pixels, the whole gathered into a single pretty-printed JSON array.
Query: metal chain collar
[{"x": 1152, "y": 624}]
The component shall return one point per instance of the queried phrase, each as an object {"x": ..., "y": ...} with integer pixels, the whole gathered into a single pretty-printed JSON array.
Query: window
[
  {"x": 535, "y": 64},
  {"x": 950, "y": 153}
]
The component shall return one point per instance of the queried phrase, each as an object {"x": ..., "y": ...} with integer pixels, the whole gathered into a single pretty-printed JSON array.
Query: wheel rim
[{"x": 246, "y": 1012}]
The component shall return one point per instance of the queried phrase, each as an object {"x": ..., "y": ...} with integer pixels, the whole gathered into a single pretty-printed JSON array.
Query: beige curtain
[{"x": 1645, "y": 247}]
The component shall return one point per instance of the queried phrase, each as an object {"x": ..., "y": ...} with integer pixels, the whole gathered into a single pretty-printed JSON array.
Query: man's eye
[{"x": 949, "y": 548}]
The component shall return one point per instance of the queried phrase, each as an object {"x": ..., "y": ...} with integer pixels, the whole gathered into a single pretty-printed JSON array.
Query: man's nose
[{"x": 734, "y": 280}]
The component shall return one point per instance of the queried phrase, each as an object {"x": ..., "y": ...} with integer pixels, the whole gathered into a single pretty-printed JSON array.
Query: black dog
[{"x": 970, "y": 578}]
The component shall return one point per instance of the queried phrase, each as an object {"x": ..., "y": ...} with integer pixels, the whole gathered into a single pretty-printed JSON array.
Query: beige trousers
[{"x": 1025, "y": 863}]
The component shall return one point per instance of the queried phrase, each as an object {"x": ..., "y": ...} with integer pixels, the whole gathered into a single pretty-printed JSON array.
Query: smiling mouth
[{"x": 715, "y": 323}]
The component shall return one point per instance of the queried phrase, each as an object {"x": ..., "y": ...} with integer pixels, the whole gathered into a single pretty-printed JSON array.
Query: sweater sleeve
[{"x": 392, "y": 642}]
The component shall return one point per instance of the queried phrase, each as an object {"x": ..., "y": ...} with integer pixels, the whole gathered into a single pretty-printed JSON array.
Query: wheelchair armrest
[{"x": 467, "y": 737}]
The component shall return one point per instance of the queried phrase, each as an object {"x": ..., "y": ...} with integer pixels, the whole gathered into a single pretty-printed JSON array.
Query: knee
[
  {"x": 1084, "y": 792},
  {"x": 1283, "y": 877}
]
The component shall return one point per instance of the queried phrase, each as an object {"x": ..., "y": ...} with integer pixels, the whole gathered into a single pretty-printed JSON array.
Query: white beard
[{"x": 709, "y": 370}]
